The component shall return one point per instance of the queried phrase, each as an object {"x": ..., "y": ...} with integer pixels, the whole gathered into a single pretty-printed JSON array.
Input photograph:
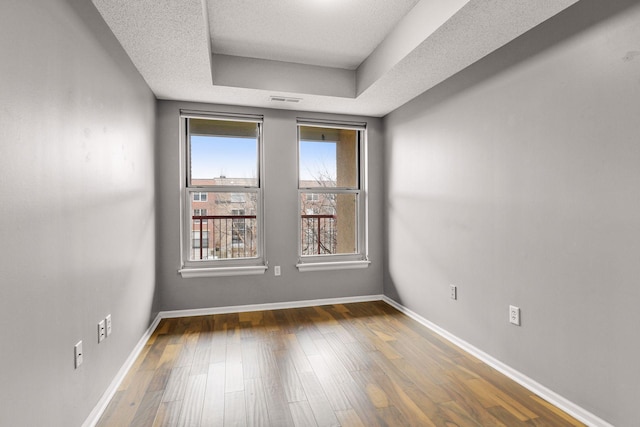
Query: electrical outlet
[
  {"x": 276, "y": 270},
  {"x": 453, "y": 289},
  {"x": 108, "y": 324},
  {"x": 102, "y": 331},
  {"x": 77, "y": 351},
  {"x": 514, "y": 315}
]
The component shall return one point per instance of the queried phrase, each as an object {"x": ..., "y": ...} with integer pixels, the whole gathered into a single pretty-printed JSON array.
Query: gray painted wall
[
  {"x": 77, "y": 222},
  {"x": 280, "y": 194},
  {"x": 517, "y": 180}
]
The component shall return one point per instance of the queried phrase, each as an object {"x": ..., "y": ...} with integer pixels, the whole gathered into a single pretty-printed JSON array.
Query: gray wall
[
  {"x": 77, "y": 215},
  {"x": 517, "y": 180},
  {"x": 280, "y": 194}
]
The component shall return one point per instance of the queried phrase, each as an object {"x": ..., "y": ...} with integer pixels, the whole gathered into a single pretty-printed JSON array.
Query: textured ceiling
[
  {"x": 365, "y": 57},
  {"x": 329, "y": 33}
]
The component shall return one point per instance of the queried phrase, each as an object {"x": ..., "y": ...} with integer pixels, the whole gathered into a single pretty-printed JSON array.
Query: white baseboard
[
  {"x": 550, "y": 396},
  {"x": 102, "y": 404},
  {"x": 267, "y": 306}
]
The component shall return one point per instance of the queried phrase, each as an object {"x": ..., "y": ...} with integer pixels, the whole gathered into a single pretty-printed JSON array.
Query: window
[
  {"x": 200, "y": 239},
  {"x": 222, "y": 186},
  {"x": 198, "y": 213},
  {"x": 331, "y": 196},
  {"x": 199, "y": 197},
  {"x": 237, "y": 198},
  {"x": 239, "y": 228}
]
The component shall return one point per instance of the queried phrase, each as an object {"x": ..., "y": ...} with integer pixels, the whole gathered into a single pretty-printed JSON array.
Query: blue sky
[
  {"x": 317, "y": 159},
  {"x": 212, "y": 157},
  {"x": 236, "y": 158}
]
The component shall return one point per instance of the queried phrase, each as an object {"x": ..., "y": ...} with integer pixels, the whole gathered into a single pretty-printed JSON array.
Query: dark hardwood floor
[{"x": 362, "y": 364}]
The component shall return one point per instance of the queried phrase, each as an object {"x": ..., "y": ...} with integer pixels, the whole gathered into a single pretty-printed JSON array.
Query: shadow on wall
[
  {"x": 567, "y": 24},
  {"x": 94, "y": 24}
]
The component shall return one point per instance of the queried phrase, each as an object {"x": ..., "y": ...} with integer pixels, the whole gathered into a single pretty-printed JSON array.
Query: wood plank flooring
[{"x": 363, "y": 364}]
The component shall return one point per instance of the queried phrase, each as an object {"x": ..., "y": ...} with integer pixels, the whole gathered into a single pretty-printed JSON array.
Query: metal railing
[
  {"x": 319, "y": 235},
  {"x": 223, "y": 236}
]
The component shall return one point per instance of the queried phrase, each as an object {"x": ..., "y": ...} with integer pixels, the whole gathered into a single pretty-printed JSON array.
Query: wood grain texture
[
  {"x": 213, "y": 410},
  {"x": 362, "y": 364}
]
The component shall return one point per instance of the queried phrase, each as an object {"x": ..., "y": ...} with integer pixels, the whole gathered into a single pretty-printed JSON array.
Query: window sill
[
  {"x": 336, "y": 265},
  {"x": 188, "y": 273}
]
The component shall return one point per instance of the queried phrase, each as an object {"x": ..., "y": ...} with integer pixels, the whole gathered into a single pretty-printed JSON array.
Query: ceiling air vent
[{"x": 284, "y": 99}]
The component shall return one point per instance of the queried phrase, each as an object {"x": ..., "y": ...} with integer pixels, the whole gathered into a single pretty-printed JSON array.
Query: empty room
[{"x": 319, "y": 213}]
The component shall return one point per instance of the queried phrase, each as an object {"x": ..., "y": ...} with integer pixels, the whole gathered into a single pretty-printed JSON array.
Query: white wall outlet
[
  {"x": 276, "y": 270},
  {"x": 514, "y": 315},
  {"x": 453, "y": 291},
  {"x": 108, "y": 324},
  {"x": 102, "y": 331},
  {"x": 77, "y": 351}
]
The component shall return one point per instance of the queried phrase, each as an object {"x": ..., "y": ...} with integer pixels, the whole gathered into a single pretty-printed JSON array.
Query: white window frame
[
  {"x": 200, "y": 194},
  {"x": 360, "y": 259},
  {"x": 220, "y": 267}
]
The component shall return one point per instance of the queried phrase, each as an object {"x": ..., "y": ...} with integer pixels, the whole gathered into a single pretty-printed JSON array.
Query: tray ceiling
[{"x": 365, "y": 57}]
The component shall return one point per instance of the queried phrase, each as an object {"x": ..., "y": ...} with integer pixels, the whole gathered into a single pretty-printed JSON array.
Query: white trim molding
[
  {"x": 268, "y": 306},
  {"x": 337, "y": 265},
  {"x": 569, "y": 407},
  {"x": 102, "y": 404},
  {"x": 550, "y": 396},
  {"x": 188, "y": 273}
]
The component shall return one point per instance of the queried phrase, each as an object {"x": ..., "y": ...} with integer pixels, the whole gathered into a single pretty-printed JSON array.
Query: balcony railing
[
  {"x": 223, "y": 236},
  {"x": 319, "y": 235}
]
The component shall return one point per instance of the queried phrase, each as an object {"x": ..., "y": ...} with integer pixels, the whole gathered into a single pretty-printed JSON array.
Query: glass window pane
[
  {"x": 223, "y": 153},
  {"x": 224, "y": 227},
  {"x": 199, "y": 197},
  {"x": 328, "y": 157},
  {"x": 329, "y": 223}
]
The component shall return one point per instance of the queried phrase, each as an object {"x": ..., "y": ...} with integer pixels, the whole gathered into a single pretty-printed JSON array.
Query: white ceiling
[
  {"x": 329, "y": 33},
  {"x": 365, "y": 57}
]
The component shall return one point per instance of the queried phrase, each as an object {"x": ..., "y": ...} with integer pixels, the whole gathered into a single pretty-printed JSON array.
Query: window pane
[
  {"x": 328, "y": 157},
  {"x": 223, "y": 153},
  {"x": 329, "y": 223},
  {"x": 199, "y": 197},
  {"x": 224, "y": 227}
]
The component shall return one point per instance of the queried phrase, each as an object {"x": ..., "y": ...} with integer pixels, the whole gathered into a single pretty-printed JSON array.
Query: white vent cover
[{"x": 284, "y": 99}]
